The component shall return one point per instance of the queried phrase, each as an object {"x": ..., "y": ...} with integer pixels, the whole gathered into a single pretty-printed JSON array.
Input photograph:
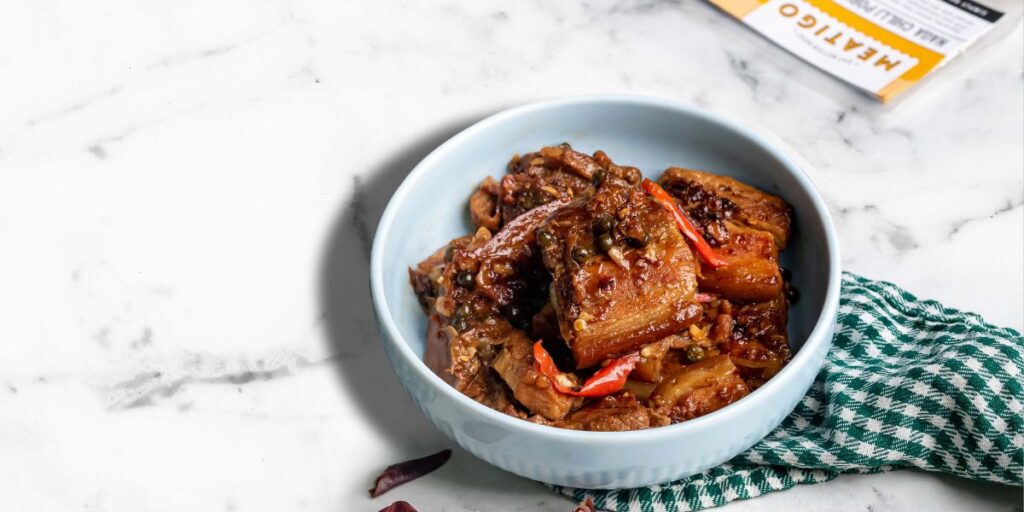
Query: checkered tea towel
[{"x": 908, "y": 383}]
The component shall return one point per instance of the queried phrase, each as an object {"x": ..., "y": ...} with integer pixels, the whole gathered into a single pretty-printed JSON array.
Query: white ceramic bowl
[{"x": 429, "y": 208}]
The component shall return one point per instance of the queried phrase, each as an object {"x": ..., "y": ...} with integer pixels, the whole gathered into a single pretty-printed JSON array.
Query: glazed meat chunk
[
  {"x": 709, "y": 198},
  {"x": 614, "y": 413},
  {"x": 587, "y": 300},
  {"x": 474, "y": 291},
  {"x": 532, "y": 389},
  {"x": 697, "y": 389},
  {"x": 623, "y": 276},
  {"x": 537, "y": 178},
  {"x": 747, "y": 227},
  {"x": 463, "y": 359},
  {"x": 483, "y": 205},
  {"x": 759, "y": 343},
  {"x": 500, "y": 274},
  {"x": 751, "y": 272},
  {"x": 534, "y": 179}
]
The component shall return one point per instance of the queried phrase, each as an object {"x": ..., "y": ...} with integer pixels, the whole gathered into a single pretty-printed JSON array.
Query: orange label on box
[{"x": 882, "y": 47}]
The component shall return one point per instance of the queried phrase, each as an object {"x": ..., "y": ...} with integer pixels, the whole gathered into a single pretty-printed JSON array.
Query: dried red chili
[{"x": 402, "y": 472}]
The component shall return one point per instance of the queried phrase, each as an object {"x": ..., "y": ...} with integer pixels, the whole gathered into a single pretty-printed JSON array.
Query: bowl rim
[{"x": 819, "y": 335}]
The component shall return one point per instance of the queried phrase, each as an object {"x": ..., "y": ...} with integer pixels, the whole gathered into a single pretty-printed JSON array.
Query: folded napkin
[{"x": 908, "y": 383}]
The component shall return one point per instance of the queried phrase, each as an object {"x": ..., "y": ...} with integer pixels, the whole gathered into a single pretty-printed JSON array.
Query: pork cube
[
  {"x": 623, "y": 276},
  {"x": 614, "y": 413},
  {"x": 747, "y": 227},
  {"x": 751, "y": 272},
  {"x": 759, "y": 344},
  {"x": 530, "y": 387}
]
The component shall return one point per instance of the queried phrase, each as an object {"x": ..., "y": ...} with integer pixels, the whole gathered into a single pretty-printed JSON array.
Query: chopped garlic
[
  {"x": 697, "y": 333},
  {"x": 564, "y": 380},
  {"x": 616, "y": 255}
]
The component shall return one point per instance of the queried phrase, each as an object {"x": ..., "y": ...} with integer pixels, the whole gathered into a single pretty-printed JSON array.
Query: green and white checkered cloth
[{"x": 908, "y": 383}]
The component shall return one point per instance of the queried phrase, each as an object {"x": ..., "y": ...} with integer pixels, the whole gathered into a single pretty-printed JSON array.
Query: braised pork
[
  {"x": 748, "y": 228},
  {"x": 534, "y": 179},
  {"x": 623, "y": 276},
  {"x": 711, "y": 198},
  {"x": 696, "y": 389},
  {"x": 613, "y": 413},
  {"x": 532, "y": 389},
  {"x": 579, "y": 304}
]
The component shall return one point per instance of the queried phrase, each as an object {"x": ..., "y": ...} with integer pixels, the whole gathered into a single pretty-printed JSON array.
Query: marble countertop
[{"x": 188, "y": 191}]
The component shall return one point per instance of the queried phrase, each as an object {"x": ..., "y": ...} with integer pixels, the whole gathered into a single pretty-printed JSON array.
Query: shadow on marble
[{"x": 344, "y": 295}]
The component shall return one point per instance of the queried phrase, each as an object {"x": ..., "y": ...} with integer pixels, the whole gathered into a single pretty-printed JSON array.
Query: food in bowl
[{"x": 591, "y": 298}]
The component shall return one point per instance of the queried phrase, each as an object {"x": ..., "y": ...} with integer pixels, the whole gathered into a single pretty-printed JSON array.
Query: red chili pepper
[
  {"x": 607, "y": 380},
  {"x": 546, "y": 366},
  {"x": 610, "y": 378},
  {"x": 689, "y": 231}
]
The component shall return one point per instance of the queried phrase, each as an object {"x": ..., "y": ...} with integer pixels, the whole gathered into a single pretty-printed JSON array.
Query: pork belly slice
[
  {"x": 759, "y": 344},
  {"x": 711, "y": 199},
  {"x": 533, "y": 180},
  {"x": 612, "y": 298},
  {"x": 746, "y": 226},
  {"x": 463, "y": 360},
  {"x": 553, "y": 173},
  {"x": 531, "y": 388},
  {"x": 751, "y": 272},
  {"x": 613, "y": 413}
]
